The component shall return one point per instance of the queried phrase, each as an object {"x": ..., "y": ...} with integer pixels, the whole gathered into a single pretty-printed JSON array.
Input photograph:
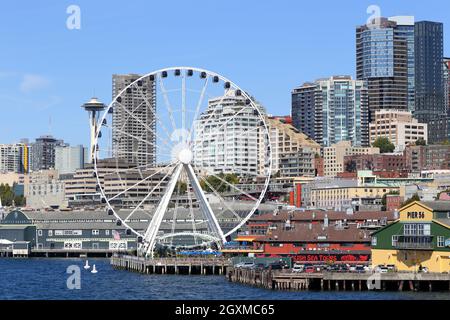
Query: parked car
[
  {"x": 381, "y": 269},
  {"x": 245, "y": 265},
  {"x": 298, "y": 268},
  {"x": 258, "y": 266},
  {"x": 310, "y": 269},
  {"x": 333, "y": 268},
  {"x": 360, "y": 269},
  {"x": 391, "y": 268},
  {"x": 275, "y": 266}
]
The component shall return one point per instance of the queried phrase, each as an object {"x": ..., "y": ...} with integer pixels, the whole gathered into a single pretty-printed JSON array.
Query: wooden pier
[
  {"x": 201, "y": 266},
  {"x": 337, "y": 281}
]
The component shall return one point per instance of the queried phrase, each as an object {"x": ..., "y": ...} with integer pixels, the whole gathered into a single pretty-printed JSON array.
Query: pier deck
[
  {"x": 202, "y": 266},
  {"x": 340, "y": 281}
]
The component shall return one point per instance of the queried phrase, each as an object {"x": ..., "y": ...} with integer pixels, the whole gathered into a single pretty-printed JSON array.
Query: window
[
  {"x": 394, "y": 240},
  {"x": 39, "y": 232},
  {"x": 107, "y": 232},
  {"x": 417, "y": 229},
  {"x": 440, "y": 241},
  {"x": 50, "y": 233},
  {"x": 95, "y": 232},
  {"x": 374, "y": 241}
]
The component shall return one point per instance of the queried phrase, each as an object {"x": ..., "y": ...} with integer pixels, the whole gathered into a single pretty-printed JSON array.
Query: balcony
[{"x": 414, "y": 243}]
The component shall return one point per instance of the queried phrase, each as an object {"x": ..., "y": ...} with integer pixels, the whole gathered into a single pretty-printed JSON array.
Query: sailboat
[
  {"x": 93, "y": 269},
  {"x": 87, "y": 266}
]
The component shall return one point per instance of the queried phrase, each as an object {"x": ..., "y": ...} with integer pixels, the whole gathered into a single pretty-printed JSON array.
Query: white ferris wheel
[{"x": 186, "y": 150}]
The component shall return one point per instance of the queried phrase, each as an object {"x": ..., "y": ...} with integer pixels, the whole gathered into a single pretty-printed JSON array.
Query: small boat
[
  {"x": 87, "y": 266},
  {"x": 93, "y": 269}
]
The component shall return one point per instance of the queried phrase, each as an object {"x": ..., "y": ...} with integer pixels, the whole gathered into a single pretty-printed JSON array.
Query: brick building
[{"x": 429, "y": 157}]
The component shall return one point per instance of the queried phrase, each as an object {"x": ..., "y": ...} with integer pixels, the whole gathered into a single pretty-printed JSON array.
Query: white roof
[{"x": 403, "y": 20}]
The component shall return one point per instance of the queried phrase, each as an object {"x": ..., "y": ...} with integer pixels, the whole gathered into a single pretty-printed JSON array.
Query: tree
[
  {"x": 180, "y": 187},
  {"x": 350, "y": 166},
  {"x": 421, "y": 142},
  {"x": 6, "y": 194},
  {"x": 217, "y": 182},
  {"x": 415, "y": 197},
  {"x": 384, "y": 144},
  {"x": 9, "y": 197}
]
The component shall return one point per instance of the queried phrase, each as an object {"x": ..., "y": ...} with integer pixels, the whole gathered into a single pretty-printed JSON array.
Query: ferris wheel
[{"x": 186, "y": 150}]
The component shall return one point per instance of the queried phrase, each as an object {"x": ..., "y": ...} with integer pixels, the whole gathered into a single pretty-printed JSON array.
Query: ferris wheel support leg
[
  {"x": 204, "y": 205},
  {"x": 152, "y": 230}
]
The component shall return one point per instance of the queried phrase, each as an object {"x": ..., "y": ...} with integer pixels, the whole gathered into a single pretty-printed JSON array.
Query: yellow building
[
  {"x": 341, "y": 197},
  {"x": 419, "y": 239}
]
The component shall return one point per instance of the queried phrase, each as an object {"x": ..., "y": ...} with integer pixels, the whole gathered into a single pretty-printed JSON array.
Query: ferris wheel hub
[{"x": 185, "y": 156}]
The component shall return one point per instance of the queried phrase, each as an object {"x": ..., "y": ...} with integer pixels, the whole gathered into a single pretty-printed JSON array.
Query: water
[{"x": 46, "y": 279}]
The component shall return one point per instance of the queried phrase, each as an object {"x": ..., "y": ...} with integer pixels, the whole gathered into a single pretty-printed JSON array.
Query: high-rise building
[
  {"x": 68, "y": 159},
  {"x": 43, "y": 152},
  {"x": 447, "y": 85},
  {"x": 398, "y": 126},
  {"x": 132, "y": 139},
  {"x": 303, "y": 109},
  {"x": 14, "y": 158},
  {"x": 230, "y": 148},
  {"x": 384, "y": 61},
  {"x": 405, "y": 29},
  {"x": 339, "y": 110},
  {"x": 429, "y": 75},
  {"x": 342, "y": 104}
]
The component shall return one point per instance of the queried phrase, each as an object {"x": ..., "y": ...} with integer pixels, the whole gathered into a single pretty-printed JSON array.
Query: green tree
[
  {"x": 415, "y": 197},
  {"x": 180, "y": 187},
  {"x": 384, "y": 144},
  {"x": 9, "y": 197},
  {"x": 350, "y": 166},
  {"x": 6, "y": 194},
  {"x": 421, "y": 142},
  {"x": 218, "y": 184}
]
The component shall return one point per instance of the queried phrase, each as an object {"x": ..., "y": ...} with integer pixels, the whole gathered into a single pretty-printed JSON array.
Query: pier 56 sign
[{"x": 415, "y": 215}]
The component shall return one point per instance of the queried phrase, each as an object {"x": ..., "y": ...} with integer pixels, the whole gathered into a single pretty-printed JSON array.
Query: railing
[{"x": 414, "y": 242}]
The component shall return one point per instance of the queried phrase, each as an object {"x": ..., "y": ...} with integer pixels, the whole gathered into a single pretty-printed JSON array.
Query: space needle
[{"x": 93, "y": 107}]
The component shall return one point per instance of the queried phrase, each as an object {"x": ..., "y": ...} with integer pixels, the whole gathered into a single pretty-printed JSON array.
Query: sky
[{"x": 47, "y": 71}]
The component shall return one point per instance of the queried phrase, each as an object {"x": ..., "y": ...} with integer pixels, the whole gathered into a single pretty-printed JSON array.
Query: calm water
[{"x": 46, "y": 279}]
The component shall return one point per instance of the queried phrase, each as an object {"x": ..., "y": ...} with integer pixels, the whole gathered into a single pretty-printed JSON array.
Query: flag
[{"x": 116, "y": 235}]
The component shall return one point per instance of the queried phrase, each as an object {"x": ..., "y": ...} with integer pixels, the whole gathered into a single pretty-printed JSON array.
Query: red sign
[{"x": 330, "y": 257}]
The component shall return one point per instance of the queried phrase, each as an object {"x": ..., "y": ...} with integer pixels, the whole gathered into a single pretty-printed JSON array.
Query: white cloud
[{"x": 32, "y": 82}]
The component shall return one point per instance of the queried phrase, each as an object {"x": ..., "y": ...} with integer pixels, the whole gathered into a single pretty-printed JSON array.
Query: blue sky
[{"x": 267, "y": 47}]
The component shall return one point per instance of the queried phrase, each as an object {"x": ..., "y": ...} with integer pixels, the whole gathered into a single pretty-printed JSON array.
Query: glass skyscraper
[
  {"x": 382, "y": 61},
  {"x": 332, "y": 110},
  {"x": 429, "y": 78},
  {"x": 405, "y": 29}
]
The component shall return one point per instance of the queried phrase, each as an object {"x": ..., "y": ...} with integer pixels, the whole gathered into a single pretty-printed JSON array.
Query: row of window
[
  {"x": 394, "y": 241},
  {"x": 50, "y": 233}
]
